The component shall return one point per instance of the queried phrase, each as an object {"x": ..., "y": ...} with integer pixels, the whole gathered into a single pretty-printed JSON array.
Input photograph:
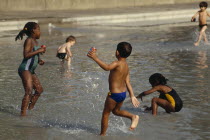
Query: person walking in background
[{"x": 202, "y": 14}]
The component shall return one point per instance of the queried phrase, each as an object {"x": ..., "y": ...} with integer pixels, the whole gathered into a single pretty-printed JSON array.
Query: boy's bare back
[
  {"x": 117, "y": 77},
  {"x": 62, "y": 48}
]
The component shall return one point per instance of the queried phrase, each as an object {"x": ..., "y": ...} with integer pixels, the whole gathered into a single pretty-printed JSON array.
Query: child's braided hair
[{"x": 27, "y": 30}]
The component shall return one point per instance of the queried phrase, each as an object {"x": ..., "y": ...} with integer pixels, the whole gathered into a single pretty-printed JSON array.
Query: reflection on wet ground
[{"x": 73, "y": 97}]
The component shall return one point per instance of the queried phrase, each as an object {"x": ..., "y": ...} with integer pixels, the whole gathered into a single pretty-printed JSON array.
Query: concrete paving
[{"x": 147, "y": 14}]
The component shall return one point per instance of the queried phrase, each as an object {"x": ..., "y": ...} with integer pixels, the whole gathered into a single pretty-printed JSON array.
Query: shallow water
[{"x": 73, "y": 98}]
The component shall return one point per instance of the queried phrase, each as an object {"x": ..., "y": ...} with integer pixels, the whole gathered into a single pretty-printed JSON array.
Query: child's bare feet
[
  {"x": 23, "y": 113},
  {"x": 135, "y": 121},
  {"x": 31, "y": 106},
  {"x": 196, "y": 43},
  {"x": 102, "y": 134}
]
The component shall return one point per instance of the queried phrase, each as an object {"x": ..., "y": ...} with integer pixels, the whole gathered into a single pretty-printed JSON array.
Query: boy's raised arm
[
  {"x": 103, "y": 65},
  {"x": 196, "y": 14},
  {"x": 134, "y": 101}
]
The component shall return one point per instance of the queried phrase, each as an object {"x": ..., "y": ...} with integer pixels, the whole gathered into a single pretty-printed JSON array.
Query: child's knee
[
  {"x": 115, "y": 111},
  {"x": 28, "y": 91},
  {"x": 154, "y": 100},
  {"x": 39, "y": 91}
]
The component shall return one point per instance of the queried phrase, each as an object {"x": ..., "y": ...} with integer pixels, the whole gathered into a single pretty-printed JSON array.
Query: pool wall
[{"x": 26, "y": 5}]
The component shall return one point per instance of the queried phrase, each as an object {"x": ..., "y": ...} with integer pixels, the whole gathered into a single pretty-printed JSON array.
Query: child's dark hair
[
  {"x": 70, "y": 38},
  {"x": 203, "y": 4},
  {"x": 124, "y": 48},
  {"x": 28, "y": 29},
  {"x": 157, "y": 79}
]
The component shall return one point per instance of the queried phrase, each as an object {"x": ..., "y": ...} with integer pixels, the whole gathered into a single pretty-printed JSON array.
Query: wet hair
[
  {"x": 157, "y": 79},
  {"x": 27, "y": 30},
  {"x": 124, "y": 49},
  {"x": 70, "y": 38},
  {"x": 203, "y": 4}
]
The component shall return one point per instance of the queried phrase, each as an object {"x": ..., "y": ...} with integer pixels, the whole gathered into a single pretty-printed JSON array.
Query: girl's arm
[
  {"x": 134, "y": 101},
  {"x": 156, "y": 88},
  {"x": 27, "y": 49},
  {"x": 40, "y": 61},
  {"x": 103, "y": 65},
  {"x": 196, "y": 14}
]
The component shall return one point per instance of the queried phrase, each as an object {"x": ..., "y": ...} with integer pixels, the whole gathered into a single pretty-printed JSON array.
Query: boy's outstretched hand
[
  {"x": 92, "y": 53},
  {"x": 135, "y": 102}
]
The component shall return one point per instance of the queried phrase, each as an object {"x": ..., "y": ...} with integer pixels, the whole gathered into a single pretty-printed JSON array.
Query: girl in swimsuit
[
  {"x": 30, "y": 61},
  {"x": 168, "y": 99}
]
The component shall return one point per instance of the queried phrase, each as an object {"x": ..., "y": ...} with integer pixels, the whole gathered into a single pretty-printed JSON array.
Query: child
[
  {"x": 202, "y": 13},
  {"x": 168, "y": 99},
  {"x": 30, "y": 61},
  {"x": 63, "y": 51},
  {"x": 119, "y": 82}
]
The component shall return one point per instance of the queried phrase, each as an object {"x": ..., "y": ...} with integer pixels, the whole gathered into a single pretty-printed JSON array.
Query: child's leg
[
  {"x": 38, "y": 90},
  {"x": 163, "y": 103},
  {"x": 123, "y": 113},
  {"x": 108, "y": 107},
  {"x": 26, "y": 77},
  {"x": 205, "y": 38},
  {"x": 202, "y": 31},
  {"x": 68, "y": 59}
]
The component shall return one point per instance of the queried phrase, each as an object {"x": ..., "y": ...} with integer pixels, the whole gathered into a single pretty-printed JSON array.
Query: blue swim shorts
[{"x": 117, "y": 97}]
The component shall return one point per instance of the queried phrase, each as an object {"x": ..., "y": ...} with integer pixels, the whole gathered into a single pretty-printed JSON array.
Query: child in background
[
  {"x": 168, "y": 99},
  {"x": 64, "y": 52},
  {"x": 202, "y": 13},
  {"x": 30, "y": 61},
  {"x": 119, "y": 82}
]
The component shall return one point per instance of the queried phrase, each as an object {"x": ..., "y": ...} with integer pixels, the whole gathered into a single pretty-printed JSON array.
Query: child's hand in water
[
  {"x": 135, "y": 102},
  {"x": 41, "y": 62},
  {"x": 140, "y": 96}
]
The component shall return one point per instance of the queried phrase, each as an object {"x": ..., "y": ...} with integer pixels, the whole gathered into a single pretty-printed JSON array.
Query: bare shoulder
[
  {"x": 29, "y": 42},
  {"x": 116, "y": 63},
  {"x": 165, "y": 88}
]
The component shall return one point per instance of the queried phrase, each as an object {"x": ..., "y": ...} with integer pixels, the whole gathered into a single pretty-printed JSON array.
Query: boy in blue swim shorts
[{"x": 119, "y": 83}]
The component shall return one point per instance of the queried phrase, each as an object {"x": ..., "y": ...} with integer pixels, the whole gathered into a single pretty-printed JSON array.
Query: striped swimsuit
[{"x": 29, "y": 64}]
